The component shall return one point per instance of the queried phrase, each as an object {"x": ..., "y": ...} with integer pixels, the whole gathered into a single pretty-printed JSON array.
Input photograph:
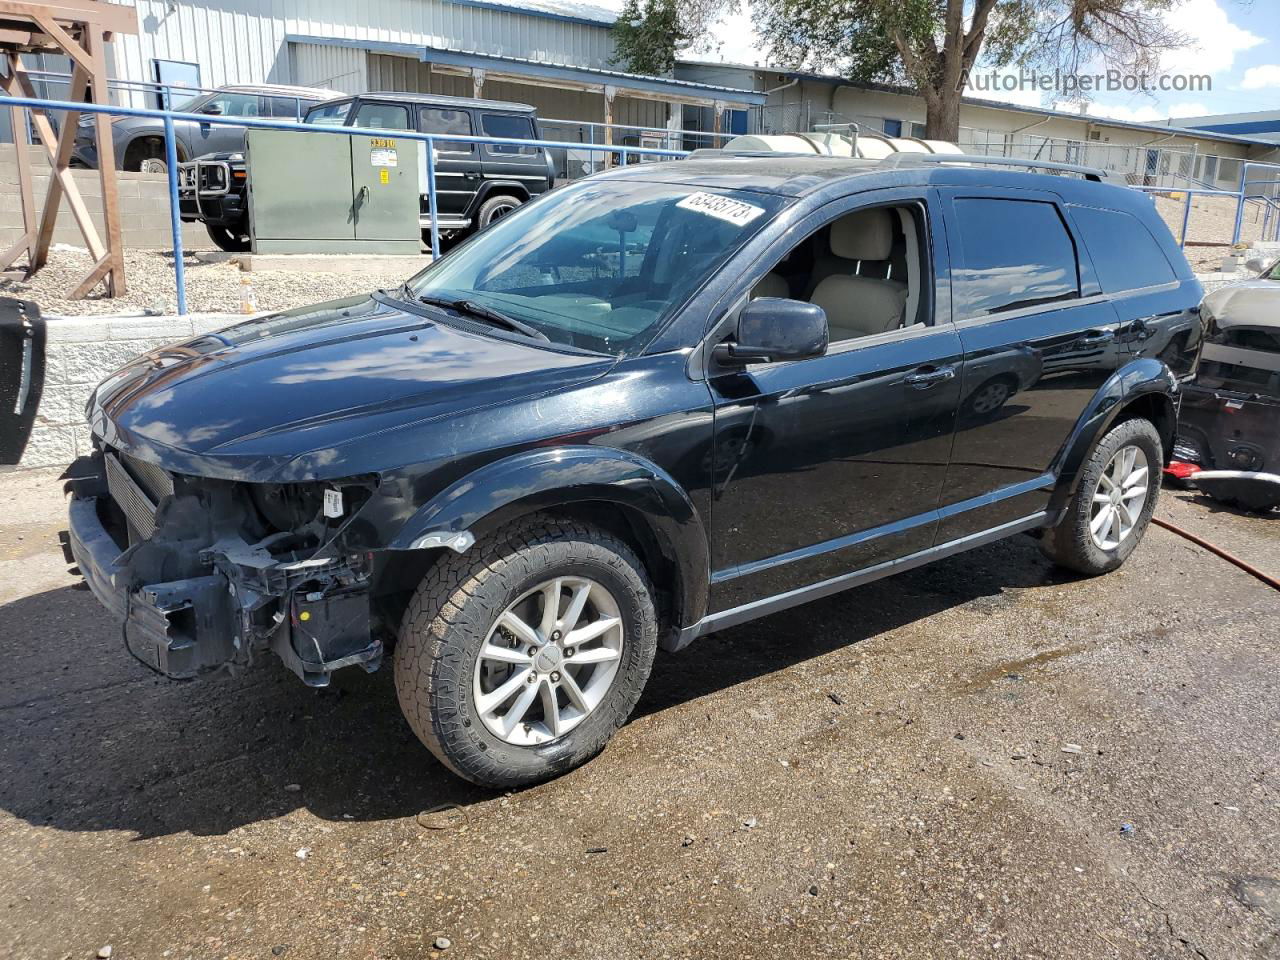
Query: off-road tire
[
  {"x": 227, "y": 239},
  {"x": 502, "y": 205},
  {"x": 451, "y": 613},
  {"x": 1070, "y": 544}
]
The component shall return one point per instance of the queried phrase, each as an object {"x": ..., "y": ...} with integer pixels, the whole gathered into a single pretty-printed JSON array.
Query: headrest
[{"x": 863, "y": 235}]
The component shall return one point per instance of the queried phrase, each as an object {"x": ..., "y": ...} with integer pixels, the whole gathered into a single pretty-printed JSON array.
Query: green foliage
[{"x": 647, "y": 35}]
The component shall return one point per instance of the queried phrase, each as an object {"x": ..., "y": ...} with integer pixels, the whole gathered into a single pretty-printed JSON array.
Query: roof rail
[{"x": 1089, "y": 173}]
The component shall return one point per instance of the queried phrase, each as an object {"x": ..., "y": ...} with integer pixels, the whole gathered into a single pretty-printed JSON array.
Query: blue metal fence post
[
  {"x": 1235, "y": 232},
  {"x": 431, "y": 198},
  {"x": 175, "y": 220},
  {"x": 1186, "y": 218}
]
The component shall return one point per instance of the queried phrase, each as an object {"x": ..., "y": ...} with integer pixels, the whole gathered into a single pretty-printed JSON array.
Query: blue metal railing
[
  {"x": 1244, "y": 194},
  {"x": 167, "y": 117}
]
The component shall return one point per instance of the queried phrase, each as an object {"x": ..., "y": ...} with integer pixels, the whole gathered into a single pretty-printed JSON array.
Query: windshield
[
  {"x": 1273, "y": 273},
  {"x": 600, "y": 265}
]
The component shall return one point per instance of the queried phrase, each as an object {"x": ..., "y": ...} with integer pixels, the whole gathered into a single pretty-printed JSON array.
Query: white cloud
[
  {"x": 1261, "y": 78},
  {"x": 1215, "y": 40},
  {"x": 988, "y": 84},
  {"x": 1144, "y": 114},
  {"x": 731, "y": 39}
]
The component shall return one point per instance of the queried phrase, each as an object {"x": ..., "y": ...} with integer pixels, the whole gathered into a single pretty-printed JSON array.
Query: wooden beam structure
[{"x": 79, "y": 30}]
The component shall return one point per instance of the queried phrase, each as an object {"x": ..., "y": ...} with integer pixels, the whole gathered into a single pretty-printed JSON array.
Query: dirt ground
[
  {"x": 212, "y": 287},
  {"x": 985, "y": 757}
]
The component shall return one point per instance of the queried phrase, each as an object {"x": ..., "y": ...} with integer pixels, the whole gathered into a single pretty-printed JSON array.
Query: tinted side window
[
  {"x": 383, "y": 116},
  {"x": 285, "y": 108},
  {"x": 233, "y": 105},
  {"x": 330, "y": 115},
  {"x": 1125, "y": 254},
  {"x": 1017, "y": 253},
  {"x": 511, "y": 127},
  {"x": 439, "y": 120}
]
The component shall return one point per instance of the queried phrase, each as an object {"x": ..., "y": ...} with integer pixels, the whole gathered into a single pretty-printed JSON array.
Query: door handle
[
  {"x": 1096, "y": 338},
  {"x": 361, "y": 196},
  {"x": 926, "y": 377}
]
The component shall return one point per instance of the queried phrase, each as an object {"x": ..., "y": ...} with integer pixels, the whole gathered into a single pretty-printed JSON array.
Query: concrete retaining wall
[
  {"x": 144, "y": 206},
  {"x": 80, "y": 352}
]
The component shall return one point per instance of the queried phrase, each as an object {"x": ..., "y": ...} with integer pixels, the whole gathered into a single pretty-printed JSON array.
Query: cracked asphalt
[{"x": 984, "y": 757}]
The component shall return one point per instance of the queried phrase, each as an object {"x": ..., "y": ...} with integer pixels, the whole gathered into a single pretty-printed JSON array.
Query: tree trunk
[{"x": 942, "y": 116}]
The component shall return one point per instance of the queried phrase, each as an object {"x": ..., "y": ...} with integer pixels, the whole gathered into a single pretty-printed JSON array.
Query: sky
[{"x": 1236, "y": 43}]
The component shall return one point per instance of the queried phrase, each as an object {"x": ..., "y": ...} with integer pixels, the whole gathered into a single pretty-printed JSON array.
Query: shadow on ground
[{"x": 90, "y": 740}]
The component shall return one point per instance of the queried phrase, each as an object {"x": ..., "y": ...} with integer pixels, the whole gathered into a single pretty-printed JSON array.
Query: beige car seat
[{"x": 859, "y": 306}]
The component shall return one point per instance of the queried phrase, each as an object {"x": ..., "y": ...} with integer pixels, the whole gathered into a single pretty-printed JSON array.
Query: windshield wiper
[{"x": 479, "y": 310}]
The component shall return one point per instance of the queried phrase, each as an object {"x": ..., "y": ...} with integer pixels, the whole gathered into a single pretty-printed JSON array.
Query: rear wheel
[
  {"x": 233, "y": 241},
  {"x": 1113, "y": 504},
  {"x": 518, "y": 659},
  {"x": 495, "y": 208}
]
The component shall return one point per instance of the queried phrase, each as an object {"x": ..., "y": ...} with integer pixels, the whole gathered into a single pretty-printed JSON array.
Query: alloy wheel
[
  {"x": 548, "y": 661},
  {"x": 990, "y": 398},
  {"x": 1119, "y": 497},
  {"x": 500, "y": 211}
]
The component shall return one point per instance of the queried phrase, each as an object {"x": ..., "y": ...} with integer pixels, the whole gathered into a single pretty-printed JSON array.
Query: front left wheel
[{"x": 518, "y": 659}]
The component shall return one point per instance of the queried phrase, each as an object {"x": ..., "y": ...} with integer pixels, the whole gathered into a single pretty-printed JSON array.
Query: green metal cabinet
[{"x": 325, "y": 193}]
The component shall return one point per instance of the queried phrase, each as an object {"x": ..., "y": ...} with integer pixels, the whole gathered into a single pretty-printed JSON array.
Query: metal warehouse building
[{"x": 554, "y": 54}]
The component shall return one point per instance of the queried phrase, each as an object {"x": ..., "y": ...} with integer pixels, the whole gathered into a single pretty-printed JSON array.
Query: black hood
[{"x": 289, "y": 391}]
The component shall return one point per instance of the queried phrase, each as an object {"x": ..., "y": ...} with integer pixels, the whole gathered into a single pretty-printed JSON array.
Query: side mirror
[
  {"x": 213, "y": 109},
  {"x": 771, "y": 329}
]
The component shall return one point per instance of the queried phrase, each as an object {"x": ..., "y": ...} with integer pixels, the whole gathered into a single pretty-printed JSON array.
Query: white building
[{"x": 554, "y": 54}]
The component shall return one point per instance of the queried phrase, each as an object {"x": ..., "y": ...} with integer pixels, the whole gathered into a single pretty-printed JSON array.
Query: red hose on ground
[{"x": 1218, "y": 551}]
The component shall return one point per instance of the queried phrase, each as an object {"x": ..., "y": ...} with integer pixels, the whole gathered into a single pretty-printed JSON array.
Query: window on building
[
  {"x": 1125, "y": 254},
  {"x": 330, "y": 115},
  {"x": 892, "y": 128},
  {"x": 457, "y": 122},
  {"x": 917, "y": 130},
  {"x": 383, "y": 116},
  {"x": 1017, "y": 254},
  {"x": 508, "y": 126}
]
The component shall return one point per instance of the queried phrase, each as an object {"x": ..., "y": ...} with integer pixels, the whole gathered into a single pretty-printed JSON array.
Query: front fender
[
  {"x": 1141, "y": 378},
  {"x": 562, "y": 476}
]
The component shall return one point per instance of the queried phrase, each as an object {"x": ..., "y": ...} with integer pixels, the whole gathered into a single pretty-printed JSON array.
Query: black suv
[
  {"x": 476, "y": 184},
  {"x": 652, "y": 404}
]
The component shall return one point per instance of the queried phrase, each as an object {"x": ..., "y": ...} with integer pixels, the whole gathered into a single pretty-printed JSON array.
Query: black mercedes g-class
[
  {"x": 476, "y": 184},
  {"x": 652, "y": 404}
]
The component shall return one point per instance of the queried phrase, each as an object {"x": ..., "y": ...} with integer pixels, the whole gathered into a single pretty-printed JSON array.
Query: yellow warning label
[{"x": 384, "y": 175}]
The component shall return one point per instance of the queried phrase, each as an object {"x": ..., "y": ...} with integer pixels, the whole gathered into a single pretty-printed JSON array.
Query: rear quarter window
[
  {"x": 509, "y": 127},
  {"x": 1016, "y": 254},
  {"x": 1126, "y": 255}
]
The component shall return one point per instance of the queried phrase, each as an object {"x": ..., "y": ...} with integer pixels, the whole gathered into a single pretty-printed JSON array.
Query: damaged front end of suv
[
  {"x": 254, "y": 489},
  {"x": 206, "y": 573}
]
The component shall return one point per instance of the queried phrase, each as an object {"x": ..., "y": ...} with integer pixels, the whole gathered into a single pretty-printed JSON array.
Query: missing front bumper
[{"x": 315, "y": 617}]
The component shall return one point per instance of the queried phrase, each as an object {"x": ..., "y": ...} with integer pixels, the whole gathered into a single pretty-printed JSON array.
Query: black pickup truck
[{"x": 476, "y": 184}]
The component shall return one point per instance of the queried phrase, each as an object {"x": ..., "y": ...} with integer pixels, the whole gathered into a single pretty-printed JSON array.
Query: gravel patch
[
  {"x": 211, "y": 287},
  {"x": 1212, "y": 220}
]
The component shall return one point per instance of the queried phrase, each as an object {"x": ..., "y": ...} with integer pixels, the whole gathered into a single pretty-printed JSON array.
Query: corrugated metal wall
[
  {"x": 337, "y": 68},
  {"x": 413, "y": 76},
  {"x": 243, "y": 41}
]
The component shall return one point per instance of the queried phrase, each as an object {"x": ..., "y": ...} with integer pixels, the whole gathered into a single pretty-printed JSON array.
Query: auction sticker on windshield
[{"x": 722, "y": 208}]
